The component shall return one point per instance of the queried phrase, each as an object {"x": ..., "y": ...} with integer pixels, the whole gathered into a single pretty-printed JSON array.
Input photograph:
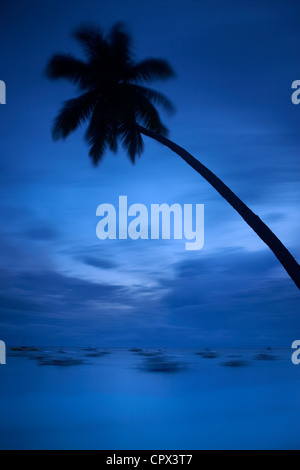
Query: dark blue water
[{"x": 171, "y": 399}]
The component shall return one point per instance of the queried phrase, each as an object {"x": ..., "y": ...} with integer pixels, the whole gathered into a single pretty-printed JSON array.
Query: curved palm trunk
[{"x": 283, "y": 255}]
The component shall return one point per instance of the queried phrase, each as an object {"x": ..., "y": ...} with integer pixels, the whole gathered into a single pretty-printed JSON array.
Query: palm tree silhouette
[{"x": 120, "y": 108}]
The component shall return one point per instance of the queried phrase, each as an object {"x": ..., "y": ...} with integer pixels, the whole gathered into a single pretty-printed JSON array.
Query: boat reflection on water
[
  {"x": 135, "y": 350},
  {"x": 160, "y": 362},
  {"x": 207, "y": 353},
  {"x": 66, "y": 361},
  {"x": 96, "y": 353},
  {"x": 58, "y": 357},
  {"x": 234, "y": 363},
  {"x": 265, "y": 356}
]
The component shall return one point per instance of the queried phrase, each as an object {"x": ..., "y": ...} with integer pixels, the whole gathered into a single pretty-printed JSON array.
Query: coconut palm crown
[{"x": 113, "y": 97}]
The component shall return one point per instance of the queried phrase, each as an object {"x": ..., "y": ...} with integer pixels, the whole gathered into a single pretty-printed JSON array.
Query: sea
[{"x": 131, "y": 399}]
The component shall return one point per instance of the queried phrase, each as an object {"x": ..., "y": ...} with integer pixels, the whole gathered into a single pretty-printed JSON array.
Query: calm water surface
[{"x": 171, "y": 399}]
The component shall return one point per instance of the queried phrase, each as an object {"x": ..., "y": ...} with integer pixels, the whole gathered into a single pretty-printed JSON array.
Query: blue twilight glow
[{"x": 235, "y": 63}]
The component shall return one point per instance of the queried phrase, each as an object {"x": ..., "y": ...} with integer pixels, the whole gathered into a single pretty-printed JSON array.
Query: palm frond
[
  {"x": 156, "y": 97},
  {"x": 98, "y": 134},
  {"x": 92, "y": 40},
  {"x": 149, "y": 70},
  {"x": 67, "y": 66},
  {"x": 72, "y": 114},
  {"x": 132, "y": 141},
  {"x": 145, "y": 113},
  {"x": 121, "y": 46},
  {"x": 112, "y": 137}
]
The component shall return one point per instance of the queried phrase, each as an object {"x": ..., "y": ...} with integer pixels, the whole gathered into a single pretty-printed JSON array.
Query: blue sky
[{"x": 235, "y": 63}]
